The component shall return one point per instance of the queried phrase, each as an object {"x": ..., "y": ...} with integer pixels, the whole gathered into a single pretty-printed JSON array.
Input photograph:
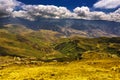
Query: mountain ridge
[
  {"x": 70, "y": 27},
  {"x": 16, "y": 40}
]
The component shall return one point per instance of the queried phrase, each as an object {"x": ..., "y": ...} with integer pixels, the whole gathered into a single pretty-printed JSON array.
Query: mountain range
[
  {"x": 70, "y": 27},
  {"x": 53, "y": 40}
]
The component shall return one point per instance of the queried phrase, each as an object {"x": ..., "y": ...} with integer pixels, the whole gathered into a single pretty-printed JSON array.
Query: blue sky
[
  {"x": 75, "y": 9},
  {"x": 70, "y": 4}
]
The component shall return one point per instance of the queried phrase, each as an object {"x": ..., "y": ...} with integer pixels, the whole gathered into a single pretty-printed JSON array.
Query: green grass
[
  {"x": 43, "y": 55},
  {"x": 46, "y": 44}
]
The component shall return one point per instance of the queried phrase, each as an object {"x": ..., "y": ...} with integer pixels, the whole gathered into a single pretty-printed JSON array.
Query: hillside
[
  {"x": 24, "y": 42},
  {"x": 70, "y": 27},
  {"x": 17, "y": 40},
  {"x": 59, "y": 39}
]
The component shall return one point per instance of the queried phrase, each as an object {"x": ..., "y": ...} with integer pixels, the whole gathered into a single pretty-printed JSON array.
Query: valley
[
  {"x": 59, "y": 39},
  {"x": 27, "y": 54}
]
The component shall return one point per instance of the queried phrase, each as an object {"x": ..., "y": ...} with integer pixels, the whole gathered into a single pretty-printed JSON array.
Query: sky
[
  {"x": 70, "y": 4},
  {"x": 76, "y": 9}
]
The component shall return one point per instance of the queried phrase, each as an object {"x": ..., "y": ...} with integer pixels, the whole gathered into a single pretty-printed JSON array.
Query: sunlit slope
[
  {"x": 20, "y": 41},
  {"x": 76, "y": 47},
  {"x": 17, "y": 40},
  {"x": 76, "y": 70}
]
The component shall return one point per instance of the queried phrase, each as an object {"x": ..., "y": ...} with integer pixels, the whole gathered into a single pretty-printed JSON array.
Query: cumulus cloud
[
  {"x": 7, "y": 6},
  {"x": 46, "y": 11},
  {"x": 85, "y": 13},
  {"x": 107, "y": 4},
  {"x": 31, "y": 12},
  {"x": 22, "y": 14},
  {"x": 115, "y": 16},
  {"x": 82, "y": 11}
]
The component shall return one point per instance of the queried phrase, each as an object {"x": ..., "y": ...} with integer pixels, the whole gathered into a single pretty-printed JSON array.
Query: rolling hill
[{"x": 17, "y": 40}]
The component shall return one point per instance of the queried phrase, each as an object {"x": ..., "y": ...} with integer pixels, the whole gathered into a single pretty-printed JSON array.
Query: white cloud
[
  {"x": 31, "y": 12},
  {"x": 118, "y": 11},
  {"x": 47, "y": 11},
  {"x": 82, "y": 11},
  {"x": 50, "y": 11},
  {"x": 115, "y": 16},
  {"x": 22, "y": 14},
  {"x": 85, "y": 13},
  {"x": 7, "y": 6},
  {"x": 107, "y": 4}
]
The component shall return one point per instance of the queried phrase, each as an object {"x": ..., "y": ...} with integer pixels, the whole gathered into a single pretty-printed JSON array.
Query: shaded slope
[{"x": 70, "y": 27}]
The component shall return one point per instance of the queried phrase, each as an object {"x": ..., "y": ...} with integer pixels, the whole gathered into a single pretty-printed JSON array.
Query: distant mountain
[{"x": 70, "y": 27}]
